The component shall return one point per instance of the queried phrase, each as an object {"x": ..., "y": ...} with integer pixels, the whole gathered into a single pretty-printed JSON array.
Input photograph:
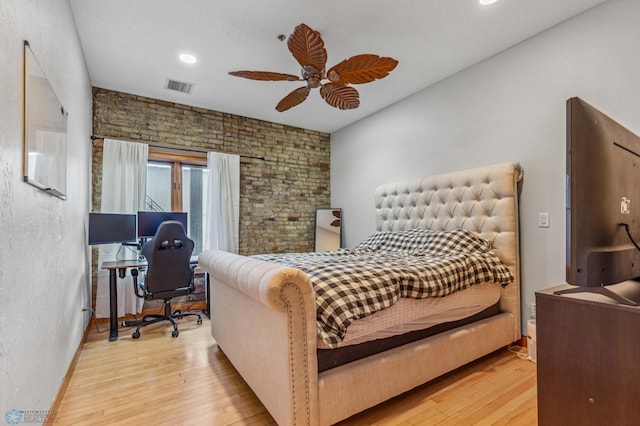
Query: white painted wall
[
  {"x": 44, "y": 260},
  {"x": 510, "y": 107}
]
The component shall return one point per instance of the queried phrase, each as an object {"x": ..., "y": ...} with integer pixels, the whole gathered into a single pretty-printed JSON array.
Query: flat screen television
[
  {"x": 108, "y": 228},
  {"x": 603, "y": 200},
  {"x": 148, "y": 221}
]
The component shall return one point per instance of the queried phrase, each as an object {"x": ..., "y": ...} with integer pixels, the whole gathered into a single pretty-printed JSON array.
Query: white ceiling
[{"x": 132, "y": 46}]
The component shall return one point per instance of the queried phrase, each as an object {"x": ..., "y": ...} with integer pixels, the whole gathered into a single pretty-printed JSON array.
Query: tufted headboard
[{"x": 483, "y": 200}]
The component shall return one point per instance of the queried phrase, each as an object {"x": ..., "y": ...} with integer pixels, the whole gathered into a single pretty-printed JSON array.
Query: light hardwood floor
[{"x": 160, "y": 380}]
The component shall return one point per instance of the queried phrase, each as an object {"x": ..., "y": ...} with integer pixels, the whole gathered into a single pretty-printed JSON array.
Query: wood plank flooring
[{"x": 160, "y": 380}]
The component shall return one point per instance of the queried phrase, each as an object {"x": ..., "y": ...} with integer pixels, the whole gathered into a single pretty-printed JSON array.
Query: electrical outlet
[{"x": 543, "y": 220}]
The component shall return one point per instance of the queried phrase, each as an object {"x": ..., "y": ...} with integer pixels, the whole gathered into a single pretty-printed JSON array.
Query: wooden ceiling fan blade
[
  {"x": 340, "y": 96},
  {"x": 292, "y": 99},
  {"x": 307, "y": 47},
  {"x": 265, "y": 76},
  {"x": 361, "y": 69}
]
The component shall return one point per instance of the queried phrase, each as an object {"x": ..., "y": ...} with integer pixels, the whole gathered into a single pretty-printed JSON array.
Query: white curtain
[
  {"x": 223, "y": 207},
  {"x": 124, "y": 178}
]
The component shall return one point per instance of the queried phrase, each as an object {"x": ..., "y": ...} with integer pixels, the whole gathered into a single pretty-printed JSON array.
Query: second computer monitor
[
  {"x": 148, "y": 222},
  {"x": 107, "y": 228}
]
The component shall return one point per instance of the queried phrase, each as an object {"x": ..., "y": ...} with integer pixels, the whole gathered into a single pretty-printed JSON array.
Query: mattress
[
  {"x": 409, "y": 314},
  {"x": 410, "y": 321}
]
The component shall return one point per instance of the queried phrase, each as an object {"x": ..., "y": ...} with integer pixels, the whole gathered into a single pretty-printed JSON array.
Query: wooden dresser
[{"x": 588, "y": 358}]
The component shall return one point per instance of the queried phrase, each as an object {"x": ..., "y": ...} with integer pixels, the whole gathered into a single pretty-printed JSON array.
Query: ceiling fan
[{"x": 307, "y": 48}]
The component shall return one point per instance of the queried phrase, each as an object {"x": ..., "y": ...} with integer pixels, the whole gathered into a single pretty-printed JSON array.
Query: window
[
  {"x": 195, "y": 188},
  {"x": 177, "y": 182}
]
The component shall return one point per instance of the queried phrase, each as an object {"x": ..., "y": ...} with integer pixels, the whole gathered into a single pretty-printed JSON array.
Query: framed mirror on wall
[{"x": 328, "y": 232}]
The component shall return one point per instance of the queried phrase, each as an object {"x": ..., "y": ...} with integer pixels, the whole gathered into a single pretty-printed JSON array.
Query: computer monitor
[
  {"x": 108, "y": 228},
  {"x": 148, "y": 222}
]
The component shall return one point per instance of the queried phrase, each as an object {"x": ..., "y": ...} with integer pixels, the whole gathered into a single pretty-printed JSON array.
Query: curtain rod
[{"x": 176, "y": 147}]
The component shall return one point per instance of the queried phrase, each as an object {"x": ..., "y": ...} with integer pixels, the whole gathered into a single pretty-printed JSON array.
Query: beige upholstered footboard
[
  {"x": 263, "y": 318},
  {"x": 263, "y": 315}
]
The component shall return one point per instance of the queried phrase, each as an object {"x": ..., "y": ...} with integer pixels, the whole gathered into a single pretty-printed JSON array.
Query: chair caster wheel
[
  {"x": 135, "y": 335},
  {"x": 199, "y": 321},
  {"x": 175, "y": 333}
]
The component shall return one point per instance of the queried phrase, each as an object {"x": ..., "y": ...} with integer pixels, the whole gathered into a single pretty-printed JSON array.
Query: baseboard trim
[{"x": 197, "y": 305}]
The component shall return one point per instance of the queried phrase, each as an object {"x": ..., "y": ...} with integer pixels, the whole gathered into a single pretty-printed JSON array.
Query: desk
[{"x": 121, "y": 266}]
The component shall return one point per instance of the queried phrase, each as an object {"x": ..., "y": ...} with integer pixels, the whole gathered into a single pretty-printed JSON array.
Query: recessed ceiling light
[
  {"x": 487, "y": 2},
  {"x": 186, "y": 58}
]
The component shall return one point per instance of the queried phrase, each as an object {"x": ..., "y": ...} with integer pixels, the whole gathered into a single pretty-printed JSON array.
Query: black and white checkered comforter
[{"x": 352, "y": 283}]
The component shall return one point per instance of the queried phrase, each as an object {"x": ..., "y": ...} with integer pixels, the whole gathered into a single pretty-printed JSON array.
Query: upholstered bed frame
[{"x": 263, "y": 314}]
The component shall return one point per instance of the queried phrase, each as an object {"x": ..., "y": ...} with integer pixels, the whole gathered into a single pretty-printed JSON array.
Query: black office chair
[{"x": 169, "y": 273}]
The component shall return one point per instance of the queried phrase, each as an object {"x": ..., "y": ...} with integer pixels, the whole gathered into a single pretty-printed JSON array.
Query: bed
[{"x": 263, "y": 314}]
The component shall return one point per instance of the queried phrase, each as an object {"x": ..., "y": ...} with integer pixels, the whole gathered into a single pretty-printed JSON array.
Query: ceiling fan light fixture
[
  {"x": 307, "y": 47},
  {"x": 187, "y": 58}
]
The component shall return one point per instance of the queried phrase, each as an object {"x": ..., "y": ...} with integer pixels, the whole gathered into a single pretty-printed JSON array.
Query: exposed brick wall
[{"x": 278, "y": 195}]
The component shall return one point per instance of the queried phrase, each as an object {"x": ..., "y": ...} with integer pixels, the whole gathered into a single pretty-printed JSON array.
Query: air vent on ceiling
[{"x": 179, "y": 86}]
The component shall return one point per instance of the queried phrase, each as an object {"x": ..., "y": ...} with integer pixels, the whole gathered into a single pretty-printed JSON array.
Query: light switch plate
[{"x": 543, "y": 220}]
